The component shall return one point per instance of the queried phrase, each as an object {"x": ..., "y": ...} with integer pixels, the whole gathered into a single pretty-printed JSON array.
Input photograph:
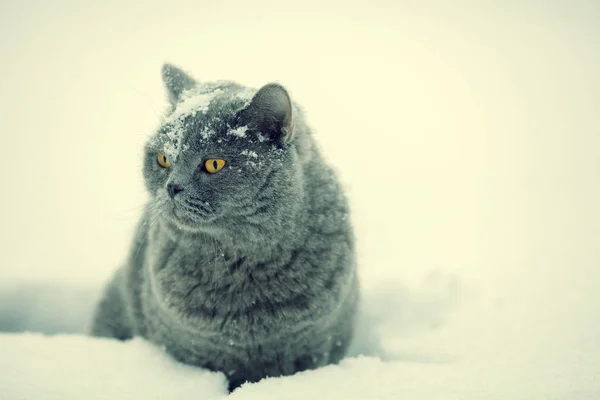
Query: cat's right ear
[
  {"x": 271, "y": 112},
  {"x": 176, "y": 81}
]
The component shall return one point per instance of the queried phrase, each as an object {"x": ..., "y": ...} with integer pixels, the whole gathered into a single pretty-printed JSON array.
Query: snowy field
[{"x": 467, "y": 137}]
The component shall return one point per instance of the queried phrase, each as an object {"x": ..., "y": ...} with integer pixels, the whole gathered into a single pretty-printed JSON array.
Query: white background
[{"x": 467, "y": 135}]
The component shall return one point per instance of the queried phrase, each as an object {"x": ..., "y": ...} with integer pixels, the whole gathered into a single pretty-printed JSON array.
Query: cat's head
[{"x": 223, "y": 160}]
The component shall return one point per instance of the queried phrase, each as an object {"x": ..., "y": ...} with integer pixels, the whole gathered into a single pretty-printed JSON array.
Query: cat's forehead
[
  {"x": 211, "y": 98},
  {"x": 204, "y": 112}
]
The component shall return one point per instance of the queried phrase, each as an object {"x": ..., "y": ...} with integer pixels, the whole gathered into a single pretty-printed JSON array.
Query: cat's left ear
[
  {"x": 271, "y": 112},
  {"x": 176, "y": 81}
]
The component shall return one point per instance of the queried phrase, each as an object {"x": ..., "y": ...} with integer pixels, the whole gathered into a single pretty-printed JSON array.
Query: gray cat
[{"x": 243, "y": 261}]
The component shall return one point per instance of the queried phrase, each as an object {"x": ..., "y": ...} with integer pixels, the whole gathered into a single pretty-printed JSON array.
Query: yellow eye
[
  {"x": 163, "y": 161},
  {"x": 213, "y": 165}
]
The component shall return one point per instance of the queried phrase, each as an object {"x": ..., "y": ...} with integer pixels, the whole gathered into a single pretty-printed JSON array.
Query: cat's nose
[{"x": 173, "y": 189}]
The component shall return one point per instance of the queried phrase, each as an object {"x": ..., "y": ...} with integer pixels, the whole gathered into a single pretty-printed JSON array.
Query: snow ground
[
  {"x": 409, "y": 346},
  {"x": 467, "y": 136}
]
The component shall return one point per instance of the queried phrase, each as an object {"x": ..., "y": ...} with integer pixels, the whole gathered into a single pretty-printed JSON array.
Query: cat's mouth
[{"x": 190, "y": 218}]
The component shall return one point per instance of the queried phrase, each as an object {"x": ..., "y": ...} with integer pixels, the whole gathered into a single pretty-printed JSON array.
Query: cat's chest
[
  {"x": 199, "y": 279},
  {"x": 197, "y": 288},
  {"x": 182, "y": 256}
]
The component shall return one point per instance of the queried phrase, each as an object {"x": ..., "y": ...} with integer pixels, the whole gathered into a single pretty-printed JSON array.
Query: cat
[{"x": 243, "y": 261}]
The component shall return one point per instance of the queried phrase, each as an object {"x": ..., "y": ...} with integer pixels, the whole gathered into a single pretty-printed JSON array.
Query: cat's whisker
[
  {"x": 150, "y": 102},
  {"x": 266, "y": 298},
  {"x": 215, "y": 249},
  {"x": 154, "y": 221},
  {"x": 131, "y": 212}
]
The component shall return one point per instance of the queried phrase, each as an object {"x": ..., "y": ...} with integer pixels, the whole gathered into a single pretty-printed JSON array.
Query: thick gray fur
[{"x": 249, "y": 271}]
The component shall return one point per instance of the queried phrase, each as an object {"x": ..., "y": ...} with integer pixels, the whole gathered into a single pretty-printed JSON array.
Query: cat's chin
[{"x": 181, "y": 221}]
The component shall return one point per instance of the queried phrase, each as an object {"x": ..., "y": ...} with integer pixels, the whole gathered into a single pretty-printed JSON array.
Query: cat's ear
[
  {"x": 176, "y": 81},
  {"x": 271, "y": 112}
]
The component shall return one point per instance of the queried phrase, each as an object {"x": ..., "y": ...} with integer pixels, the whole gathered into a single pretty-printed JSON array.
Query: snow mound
[
  {"x": 192, "y": 103},
  {"x": 78, "y": 367},
  {"x": 36, "y": 366},
  {"x": 47, "y": 307},
  {"x": 434, "y": 340}
]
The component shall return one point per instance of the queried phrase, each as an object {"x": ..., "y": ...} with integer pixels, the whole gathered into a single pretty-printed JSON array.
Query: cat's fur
[{"x": 249, "y": 271}]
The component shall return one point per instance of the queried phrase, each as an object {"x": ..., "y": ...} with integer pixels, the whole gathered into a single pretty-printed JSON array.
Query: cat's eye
[
  {"x": 213, "y": 165},
  {"x": 163, "y": 161}
]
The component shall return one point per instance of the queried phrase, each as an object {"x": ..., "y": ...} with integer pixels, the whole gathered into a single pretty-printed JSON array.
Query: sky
[{"x": 459, "y": 129}]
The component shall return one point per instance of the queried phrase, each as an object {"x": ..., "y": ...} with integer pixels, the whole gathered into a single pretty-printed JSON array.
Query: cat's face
[{"x": 222, "y": 162}]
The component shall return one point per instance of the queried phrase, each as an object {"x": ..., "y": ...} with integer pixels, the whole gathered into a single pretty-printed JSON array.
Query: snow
[
  {"x": 403, "y": 349},
  {"x": 467, "y": 144},
  {"x": 249, "y": 153},
  {"x": 70, "y": 366},
  {"x": 239, "y": 132},
  {"x": 246, "y": 94},
  {"x": 192, "y": 102},
  {"x": 47, "y": 307}
]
